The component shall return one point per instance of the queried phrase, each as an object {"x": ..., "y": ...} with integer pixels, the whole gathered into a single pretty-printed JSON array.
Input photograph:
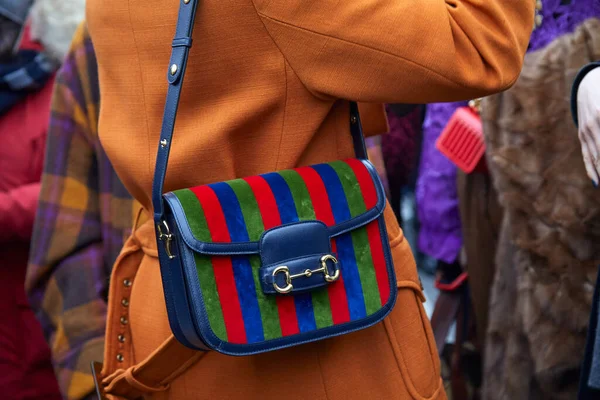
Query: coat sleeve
[
  {"x": 404, "y": 51},
  {"x": 17, "y": 212},
  {"x": 67, "y": 277}
]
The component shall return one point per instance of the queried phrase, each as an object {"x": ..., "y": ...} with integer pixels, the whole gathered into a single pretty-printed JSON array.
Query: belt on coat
[{"x": 120, "y": 378}]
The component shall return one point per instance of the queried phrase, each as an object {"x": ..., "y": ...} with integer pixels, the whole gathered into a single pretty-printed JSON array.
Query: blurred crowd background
[{"x": 492, "y": 195}]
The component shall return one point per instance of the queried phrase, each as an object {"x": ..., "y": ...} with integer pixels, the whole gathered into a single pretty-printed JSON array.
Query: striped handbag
[{"x": 275, "y": 260}]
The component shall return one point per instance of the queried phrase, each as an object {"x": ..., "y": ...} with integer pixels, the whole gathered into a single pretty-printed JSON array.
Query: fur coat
[{"x": 549, "y": 248}]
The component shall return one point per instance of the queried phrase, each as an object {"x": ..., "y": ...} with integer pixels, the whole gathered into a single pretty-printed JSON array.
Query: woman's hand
[{"x": 588, "y": 114}]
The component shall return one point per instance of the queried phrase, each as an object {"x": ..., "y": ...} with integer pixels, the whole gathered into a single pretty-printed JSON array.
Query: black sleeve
[{"x": 580, "y": 75}]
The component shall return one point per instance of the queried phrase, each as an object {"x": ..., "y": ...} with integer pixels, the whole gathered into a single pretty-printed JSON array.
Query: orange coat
[{"x": 260, "y": 95}]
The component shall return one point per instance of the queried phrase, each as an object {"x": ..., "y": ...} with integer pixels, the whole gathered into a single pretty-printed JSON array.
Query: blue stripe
[
  {"x": 242, "y": 270},
  {"x": 283, "y": 197},
  {"x": 345, "y": 247},
  {"x": 288, "y": 214}
]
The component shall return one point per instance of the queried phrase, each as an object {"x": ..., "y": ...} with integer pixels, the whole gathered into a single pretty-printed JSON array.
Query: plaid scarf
[{"x": 25, "y": 73}]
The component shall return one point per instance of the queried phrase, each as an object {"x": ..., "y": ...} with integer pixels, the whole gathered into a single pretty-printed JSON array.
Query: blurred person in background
[
  {"x": 548, "y": 253},
  {"x": 400, "y": 149},
  {"x": 84, "y": 215},
  {"x": 444, "y": 239},
  {"x": 29, "y": 56},
  {"x": 440, "y": 239},
  {"x": 437, "y": 200},
  {"x": 537, "y": 304},
  {"x": 585, "y": 107}
]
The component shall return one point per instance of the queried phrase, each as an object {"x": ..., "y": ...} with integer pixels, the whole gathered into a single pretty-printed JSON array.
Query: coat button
[
  {"x": 124, "y": 321},
  {"x": 120, "y": 357},
  {"x": 127, "y": 283},
  {"x": 121, "y": 338},
  {"x": 125, "y": 302}
]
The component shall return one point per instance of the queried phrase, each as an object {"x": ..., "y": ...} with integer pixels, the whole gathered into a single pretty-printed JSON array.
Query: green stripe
[
  {"x": 255, "y": 227},
  {"x": 366, "y": 269},
  {"x": 306, "y": 212},
  {"x": 194, "y": 214},
  {"x": 360, "y": 238},
  {"x": 354, "y": 195},
  {"x": 208, "y": 285},
  {"x": 304, "y": 206}
]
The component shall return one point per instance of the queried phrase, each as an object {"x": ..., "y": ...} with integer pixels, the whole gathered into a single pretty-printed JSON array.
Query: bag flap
[{"x": 230, "y": 217}]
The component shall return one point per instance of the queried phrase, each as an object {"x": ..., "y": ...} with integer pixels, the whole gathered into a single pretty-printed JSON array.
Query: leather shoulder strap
[{"x": 177, "y": 66}]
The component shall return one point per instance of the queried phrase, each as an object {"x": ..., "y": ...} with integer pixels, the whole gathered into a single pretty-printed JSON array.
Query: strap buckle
[{"x": 165, "y": 236}]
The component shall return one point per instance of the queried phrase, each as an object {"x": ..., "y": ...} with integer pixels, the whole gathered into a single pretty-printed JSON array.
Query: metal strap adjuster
[{"x": 165, "y": 236}]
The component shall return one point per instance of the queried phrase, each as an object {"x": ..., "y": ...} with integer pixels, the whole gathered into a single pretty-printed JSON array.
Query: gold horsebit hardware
[
  {"x": 165, "y": 236},
  {"x": 305, "y": 274}
]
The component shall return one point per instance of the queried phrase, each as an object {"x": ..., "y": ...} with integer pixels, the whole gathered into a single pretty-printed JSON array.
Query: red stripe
[
  {"x": 223, "y": 270},
  {"x": 340, "y": 312},
  {"x": 270, "y": 216},
  {"x": 367, "y": 188},
  {"x": 365, "y": 181},
  {"x": 266, "y": 201},
  {"x": 383, "y": 279}
]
